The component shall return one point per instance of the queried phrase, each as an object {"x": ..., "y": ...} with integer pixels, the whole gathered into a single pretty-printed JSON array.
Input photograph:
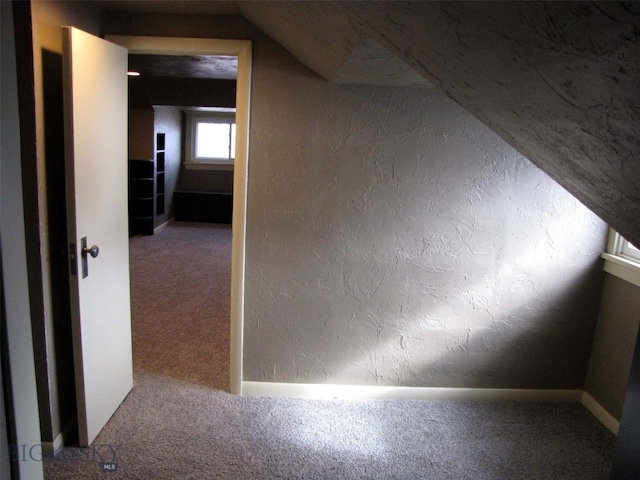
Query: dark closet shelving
[
  {"x": 141, "y": 197},
  {"x": 160, "y": 165}
]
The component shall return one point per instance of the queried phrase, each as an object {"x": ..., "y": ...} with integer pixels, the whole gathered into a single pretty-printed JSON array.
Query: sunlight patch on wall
[
  {"x": 482, "y": 318},
  {"x": 405, "y": 244}
]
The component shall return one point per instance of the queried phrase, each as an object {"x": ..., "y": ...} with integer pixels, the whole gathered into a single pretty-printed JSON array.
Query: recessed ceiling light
[{"x": 132, "y": 73}]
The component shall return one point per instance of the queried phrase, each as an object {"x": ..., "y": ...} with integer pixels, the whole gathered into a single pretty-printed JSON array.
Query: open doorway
[
  {"x": 241, "y": 49},
  {"x": 181, "y": 155}
]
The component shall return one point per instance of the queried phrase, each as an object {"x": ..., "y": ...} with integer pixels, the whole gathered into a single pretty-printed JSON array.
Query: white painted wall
[{"x": 395, "y": 240}]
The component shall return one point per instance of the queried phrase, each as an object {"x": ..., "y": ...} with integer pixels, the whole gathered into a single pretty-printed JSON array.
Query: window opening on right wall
[{"x": 622, "y": 258}]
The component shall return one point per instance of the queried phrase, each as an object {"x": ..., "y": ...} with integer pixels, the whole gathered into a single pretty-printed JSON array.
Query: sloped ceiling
[
  {"x": 322, "y": 36},
  {"x": 372, "y": 64},
  {"x": 560, "y": 81}
]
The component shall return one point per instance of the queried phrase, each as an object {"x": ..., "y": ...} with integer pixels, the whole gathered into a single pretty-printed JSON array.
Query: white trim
[
  {"x": 329, "y": 391},
  {"x": 373, "y": 392},
  {"x": 617, "y": 263},
  {"x": 50, "y": 449},
  {"x": 162, "y": 226},
  {"x": 630, "y": 251},
  {"x": 239, "y": 219},
  {"x": 620, "y": 246},
  {"x": 600, "y": 413},
  {"x": 243, "y": 50},
  {"x": 193, "y": 116},
  {"x": 614, "y": 242},
  {"x": 180, "y": 45},
  {"x": 623, "y": 268}
]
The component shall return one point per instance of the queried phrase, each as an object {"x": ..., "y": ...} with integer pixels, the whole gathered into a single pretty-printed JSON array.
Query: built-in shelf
[
  {"x": 160, "y": 180},
  {"x": 141, "y": 196}
]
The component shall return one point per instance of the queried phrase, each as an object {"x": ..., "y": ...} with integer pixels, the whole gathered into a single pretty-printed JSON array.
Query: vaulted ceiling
[{"x": 560, "y": 81}]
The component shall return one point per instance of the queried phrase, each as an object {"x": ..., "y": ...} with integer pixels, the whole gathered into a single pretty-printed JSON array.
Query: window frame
[
  {"x": 630, "y": 251},
  {"x": 192, "y": 118},
  {"x": 622, "y": 259}
]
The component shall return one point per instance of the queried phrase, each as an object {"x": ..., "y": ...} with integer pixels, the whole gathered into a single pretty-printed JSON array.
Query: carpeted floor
[
  {"x": 180, "y": 303},
  {"x": 179, "y": 422}
]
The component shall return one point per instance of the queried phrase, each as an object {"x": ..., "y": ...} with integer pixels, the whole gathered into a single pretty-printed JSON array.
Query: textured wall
[
  {"x": 557, "y": 80},
  {"x": 613, "y": 344},
  {"x": 393, "y": 239}
]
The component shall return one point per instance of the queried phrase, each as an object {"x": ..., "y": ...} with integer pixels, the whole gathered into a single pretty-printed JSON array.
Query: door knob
[
  {"x": 93, "y": 251},
  {"x": 85, "y": 252}
]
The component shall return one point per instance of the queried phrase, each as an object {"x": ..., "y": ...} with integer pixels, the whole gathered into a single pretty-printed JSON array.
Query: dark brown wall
[{"x": 144, "y": 93}]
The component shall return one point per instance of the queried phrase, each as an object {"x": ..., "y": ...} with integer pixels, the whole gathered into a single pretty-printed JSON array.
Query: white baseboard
[
  {"x": 162, "y": 226},
  {"x": 48, "y": 448},
  {"x": 600, "y": 413},
  {"x": 371, "y": 392},
  {"x": 407, "y": 393}
]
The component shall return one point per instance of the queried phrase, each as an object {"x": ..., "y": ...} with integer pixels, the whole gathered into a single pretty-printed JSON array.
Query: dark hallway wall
[{"x": 181, "y": 92}]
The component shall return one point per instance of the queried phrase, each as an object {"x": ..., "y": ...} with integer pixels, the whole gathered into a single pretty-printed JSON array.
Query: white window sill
[
  {"x": 209, "y": 166},
  {"x": 622, "y": 267}
]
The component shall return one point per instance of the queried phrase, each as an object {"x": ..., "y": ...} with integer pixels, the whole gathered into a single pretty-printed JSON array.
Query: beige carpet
[
  {"x": 179, "y": 423},
  {"x": 180, "y": 303}
]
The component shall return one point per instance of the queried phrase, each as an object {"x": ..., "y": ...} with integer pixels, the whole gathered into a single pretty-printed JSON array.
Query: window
[
  {"x": 619, "y": 246},
  {"x": 622, "y": 259},
  {"x": 210, "y": 139},
  {"x": 630, "y": 250}
]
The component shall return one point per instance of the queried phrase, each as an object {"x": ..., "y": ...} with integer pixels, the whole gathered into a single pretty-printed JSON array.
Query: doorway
[{"x": 241, "y": 49}]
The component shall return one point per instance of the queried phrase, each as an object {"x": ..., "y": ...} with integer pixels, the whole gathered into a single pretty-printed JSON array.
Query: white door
[{"x": 95, "y": 91}]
